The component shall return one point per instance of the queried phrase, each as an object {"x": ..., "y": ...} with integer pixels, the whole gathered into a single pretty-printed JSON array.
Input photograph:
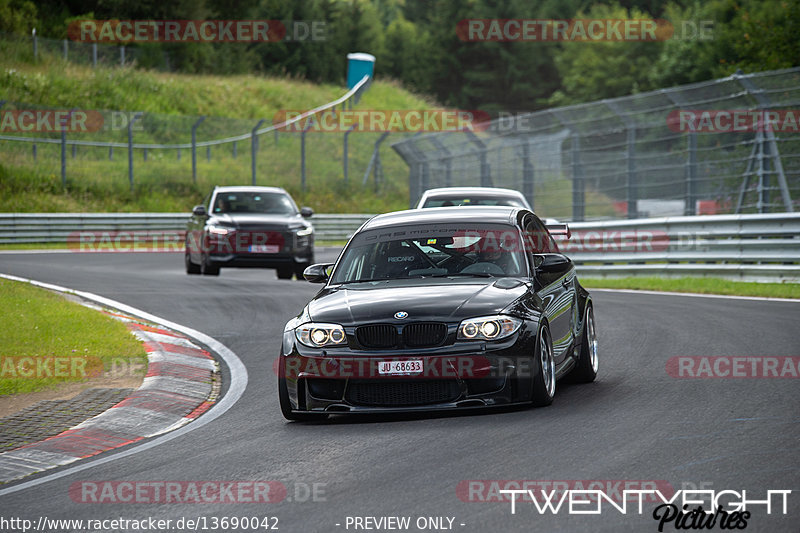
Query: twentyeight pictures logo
[{"x": 195, "y": 31}]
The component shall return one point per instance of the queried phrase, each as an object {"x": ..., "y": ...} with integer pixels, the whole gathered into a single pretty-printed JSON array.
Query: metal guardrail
[
  {"x": 36, "y": 228},
  {"x": 747, "y": 247}
]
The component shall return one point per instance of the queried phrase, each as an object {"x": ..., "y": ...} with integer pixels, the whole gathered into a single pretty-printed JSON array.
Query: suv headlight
[
  {"x": 305, "y": 232},
  {"x": 219, "y": 230},
  {"x": 489, "y": 328},
  {"x": 317, "y": 335}
]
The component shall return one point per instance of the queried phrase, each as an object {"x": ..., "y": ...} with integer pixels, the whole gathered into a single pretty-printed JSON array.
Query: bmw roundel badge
[{"x": 400, "y": 315}]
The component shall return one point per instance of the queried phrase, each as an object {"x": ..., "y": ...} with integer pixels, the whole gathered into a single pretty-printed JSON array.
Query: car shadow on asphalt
[{"x": 565, "y": 396}]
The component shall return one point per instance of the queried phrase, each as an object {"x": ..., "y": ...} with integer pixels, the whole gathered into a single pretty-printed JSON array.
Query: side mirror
[
  {"x": 317, "y": 273},
  {"x": 306, "y": 212},
  {"x": 551, "y": 262},
  {"x": 199, "y": 211}
]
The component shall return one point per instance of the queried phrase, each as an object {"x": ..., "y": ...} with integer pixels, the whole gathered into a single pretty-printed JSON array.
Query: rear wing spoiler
[{"x": 559, "y": 229}]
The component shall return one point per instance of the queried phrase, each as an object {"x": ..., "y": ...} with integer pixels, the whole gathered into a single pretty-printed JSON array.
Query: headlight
[
  {"x": 219, "y": 230},
  {"x": 303, "y": 232},
  {"x": 319, "y": 335},
  {"x": 489, "y": 328}
]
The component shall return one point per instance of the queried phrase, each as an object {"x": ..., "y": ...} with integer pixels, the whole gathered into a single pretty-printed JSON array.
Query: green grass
[
  {"x": 698, "y": 285},
  {"x": 48, "y": 340},
  {"x": 172, "y": 102}
]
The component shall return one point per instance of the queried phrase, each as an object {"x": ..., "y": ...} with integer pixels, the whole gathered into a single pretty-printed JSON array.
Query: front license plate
[
  {"x": 264, "y": 248},
  {"x": 400, "y": 368}
]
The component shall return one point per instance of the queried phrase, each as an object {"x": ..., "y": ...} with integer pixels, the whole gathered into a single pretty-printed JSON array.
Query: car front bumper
[{"x": 464, "y": 375}]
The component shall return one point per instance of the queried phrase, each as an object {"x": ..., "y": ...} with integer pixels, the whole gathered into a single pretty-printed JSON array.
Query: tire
[
  {"x": 544, "y": 383},
  {"x": 285, "y": 273},
  {"x": 298, "y": 270},
  {"x": 191, "y": 268},
  {"x": 586, "y": 369},
  {"x": 207, "y": 268},
  {"x": 286, "y": 406}
]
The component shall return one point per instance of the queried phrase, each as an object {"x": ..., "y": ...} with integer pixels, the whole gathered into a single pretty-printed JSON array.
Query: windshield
[
  {"x": 254, "y": 202},
  {"x": 420, "y": 252},
  {"x": 448, "y": 201}
]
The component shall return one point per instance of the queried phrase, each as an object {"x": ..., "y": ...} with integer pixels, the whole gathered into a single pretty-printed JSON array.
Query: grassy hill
[{"x": 172, "y": 102}]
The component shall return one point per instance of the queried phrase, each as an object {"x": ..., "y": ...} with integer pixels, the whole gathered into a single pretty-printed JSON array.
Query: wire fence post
[
  {"x": 94, "y": 55},
  {"x": 111, "y": 153},
  {"x": 234, "y": 149},
  {"x": 764, "y": 104},
  {"x": 303, "y": 153},
  {"x": 528, "y": 174},
  {"x": 345, "y": 152},
  {"x": 122, "y": 56},
  {"x": 208, "y": 153},
  {"x": 448, "y": 161},
  {"x": 35, "y": 45},
  {"x": 34, "y": 151},
  {"x": 762, "y": 203},
  {"x": 486, "y": 177},
  {"x": 130, "y": 147},
  {"x": 691, "y": 175},
  {"x": 375, "y": 162},
  {"x": 254, "y": 150},
  {"x": 64, "y": 152},
  {"x": 632, "y": 185},
  {"x": 66, "y": 50},
  {"x": 378, "y": 171},
  {"x": 578, "y": 190},
  {"x": 194, "y": 148}
]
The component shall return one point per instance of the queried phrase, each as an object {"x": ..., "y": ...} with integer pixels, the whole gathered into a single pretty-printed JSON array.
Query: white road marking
[
  {"x": 698, "y": 295},
  {"x": 238, "y": 374}
]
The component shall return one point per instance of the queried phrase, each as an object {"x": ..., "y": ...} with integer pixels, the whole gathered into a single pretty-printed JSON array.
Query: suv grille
[
  {"x": 424, "y": 334},
  {"x": 402, "y": 393}
]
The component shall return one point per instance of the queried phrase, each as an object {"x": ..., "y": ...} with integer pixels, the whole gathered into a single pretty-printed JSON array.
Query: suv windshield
[
  {"x": 254, "y": 202},
  {"x": 447, "y": 201},
  {"x": 475, "y": 250}
]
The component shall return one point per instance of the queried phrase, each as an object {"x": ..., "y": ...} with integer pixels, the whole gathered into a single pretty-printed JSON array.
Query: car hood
[
  {"x": 241, "y": 220},
  {"x": 452, "y": 300}
]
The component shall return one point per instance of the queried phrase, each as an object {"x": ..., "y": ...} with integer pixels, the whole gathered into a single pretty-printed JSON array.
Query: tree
[
  {"x": 17, "y": 16},
  {"x": 604, "y": 69}
]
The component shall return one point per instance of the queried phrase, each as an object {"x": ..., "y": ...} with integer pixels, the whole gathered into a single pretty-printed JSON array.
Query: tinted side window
[{"x": 537, "y": 238}]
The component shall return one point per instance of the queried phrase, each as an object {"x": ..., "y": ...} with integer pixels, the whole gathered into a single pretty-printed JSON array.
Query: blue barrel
[{"x": 359, "y": 65}]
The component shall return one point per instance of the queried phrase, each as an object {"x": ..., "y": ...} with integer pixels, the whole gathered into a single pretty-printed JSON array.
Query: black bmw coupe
[{"x": 444, "y": 308}]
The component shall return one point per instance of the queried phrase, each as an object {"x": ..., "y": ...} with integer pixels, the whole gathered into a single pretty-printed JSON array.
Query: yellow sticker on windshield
[{"x": 431, "y": 241}]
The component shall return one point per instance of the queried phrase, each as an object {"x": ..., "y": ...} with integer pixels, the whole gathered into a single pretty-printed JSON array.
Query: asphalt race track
[{"x": 636, "y": 423}]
